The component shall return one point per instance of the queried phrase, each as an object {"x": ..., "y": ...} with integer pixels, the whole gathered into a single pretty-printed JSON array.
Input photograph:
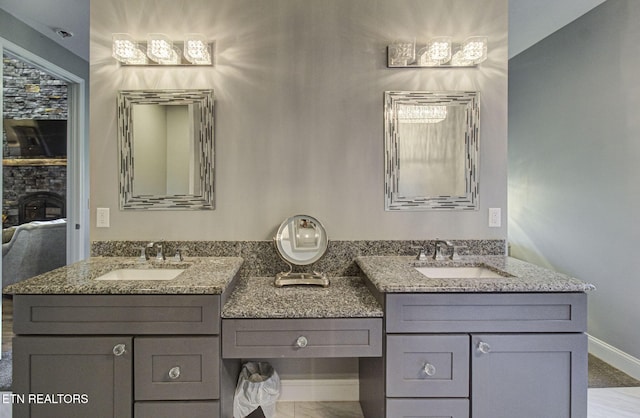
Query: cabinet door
[
  {"x": 529, "y": 375},
  {"x": 70, "y": 377}
]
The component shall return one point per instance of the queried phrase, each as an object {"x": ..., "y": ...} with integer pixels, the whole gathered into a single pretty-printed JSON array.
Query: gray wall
[
  {"x": 573, "y": 162},
  {"x": 299, "y": 100}
]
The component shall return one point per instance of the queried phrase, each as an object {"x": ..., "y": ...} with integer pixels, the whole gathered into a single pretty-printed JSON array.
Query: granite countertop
[
  {"x": 258, "y": 297},
  {"x": 391, "y": 274},
  {"x": 203, "y": 275}
]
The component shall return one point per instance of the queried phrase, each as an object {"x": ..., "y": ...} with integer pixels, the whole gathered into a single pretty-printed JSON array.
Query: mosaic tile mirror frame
[
  {"x": 197, "y": 190},
  {"x": 431, "y": 150}
]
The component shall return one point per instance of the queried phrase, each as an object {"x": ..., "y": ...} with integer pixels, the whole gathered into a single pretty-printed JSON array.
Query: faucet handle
[
  {"x": 143, "y": 254},
  {"x": 455, "y": 256},
  {"x": 178, "y": 256},
  {"x": 421, "y": 254}
]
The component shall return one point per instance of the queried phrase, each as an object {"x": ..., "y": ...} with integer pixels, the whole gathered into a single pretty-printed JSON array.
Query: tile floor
[
  {"x": 318, "y": 410},
  {"x": 621, "y": 402},
  {"x": 614, "y": 402}
]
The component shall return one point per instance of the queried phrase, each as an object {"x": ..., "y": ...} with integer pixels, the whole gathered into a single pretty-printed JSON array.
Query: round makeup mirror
[{"x": 301, "y": 240}]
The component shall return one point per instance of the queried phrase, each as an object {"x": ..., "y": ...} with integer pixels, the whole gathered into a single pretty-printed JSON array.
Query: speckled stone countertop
[
  {"x": 257, "y": 297},
  {"x": 398, "y": 275},
  {"x": 202, "y": 275}
]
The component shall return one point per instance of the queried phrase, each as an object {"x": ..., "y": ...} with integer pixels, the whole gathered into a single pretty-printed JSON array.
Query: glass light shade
[
  {"x": 474, "y": 49},
  {"x": 125, "y": 49},
  {"x": 196, "y": 49},
  {"x": 438, "y": 50},
  {"x": 402, "y": 52},
  {"x": 160, "y": 49},
  {"x": 421, "y": 114}
]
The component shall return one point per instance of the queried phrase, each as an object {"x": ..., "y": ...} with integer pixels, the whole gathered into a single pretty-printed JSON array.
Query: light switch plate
[
  {"x": 495, "y": 217},
  {"x": 102, "y": 217}
]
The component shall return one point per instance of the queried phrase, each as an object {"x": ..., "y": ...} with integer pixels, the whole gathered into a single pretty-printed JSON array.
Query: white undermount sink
[
  {"x": 141, "y": 274},
  {"x": 475, "y": 272}
]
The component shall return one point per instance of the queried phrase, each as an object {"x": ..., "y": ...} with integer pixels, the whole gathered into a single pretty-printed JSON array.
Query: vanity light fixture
[
  {"x": 442, "y": 52},
  {"x": 472, "y": 51},
  {"x": 421, "y": 113},
  {"x": 126, "y": 50},
  {"x": 437, "y": 51},
  {"x": 196, "y": 49},
  {"x": 159, "y": 49}
]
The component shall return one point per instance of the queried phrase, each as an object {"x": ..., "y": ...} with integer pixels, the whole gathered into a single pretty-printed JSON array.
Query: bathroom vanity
[
  {"x": 122, "y": 348},
  {"x": 511, "y": 344}
]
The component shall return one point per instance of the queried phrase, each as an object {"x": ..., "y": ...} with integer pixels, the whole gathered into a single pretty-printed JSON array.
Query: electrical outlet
[
  {"x": 495, "y": 217},
  {"x": 102, "y": 217}
]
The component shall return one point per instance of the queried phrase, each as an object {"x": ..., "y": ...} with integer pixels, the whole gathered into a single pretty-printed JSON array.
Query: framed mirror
[
  {"x": 431, "y": 150},
  {"x": 301, "y": 240},
  {"x": 166, "y": 147}
]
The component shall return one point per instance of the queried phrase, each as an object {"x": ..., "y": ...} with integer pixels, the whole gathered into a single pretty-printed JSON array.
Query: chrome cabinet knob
[
  {"x": 483, "y": 347},
  {"x": 429, "y": 369},
  {"x": 302, "y": 341},
  {"x": 119, "y": 349},
  {"x": 174, "y": 372}
]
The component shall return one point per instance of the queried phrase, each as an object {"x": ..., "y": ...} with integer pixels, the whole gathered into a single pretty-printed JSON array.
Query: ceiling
[
  {"x": 529, "y": 20},
  {"x": 47, "y": 15}
]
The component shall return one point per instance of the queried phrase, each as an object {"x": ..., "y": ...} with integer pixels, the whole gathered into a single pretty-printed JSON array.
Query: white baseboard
[
  {"x": 615, "y": 357},
  {"x": 319, "y": 390}
]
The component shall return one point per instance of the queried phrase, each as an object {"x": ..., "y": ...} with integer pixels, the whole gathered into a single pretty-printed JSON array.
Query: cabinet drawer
[
  {"x": 176, "y": 409},
  {"x": 428, "y": 408},
  {"x": 176, "y": 368},
  {"x": 434, "y": 366},
  {"x": 486, "y": 312},
  {"x": 116, "y": 314},
  {"x": 273, "y": 338}
]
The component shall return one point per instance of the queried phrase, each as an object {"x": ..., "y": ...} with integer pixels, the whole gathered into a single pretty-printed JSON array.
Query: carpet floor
[{"x": 603, "y": 375}]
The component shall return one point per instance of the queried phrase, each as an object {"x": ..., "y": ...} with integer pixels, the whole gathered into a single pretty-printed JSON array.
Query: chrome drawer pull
[
  {"x": 119, "y": 349},
  {"x": 483, "y": 347},
  {"x": 174, "y": 372},
  {"x": 302, "y": 341},
  {"x": 429, "y": 369}
]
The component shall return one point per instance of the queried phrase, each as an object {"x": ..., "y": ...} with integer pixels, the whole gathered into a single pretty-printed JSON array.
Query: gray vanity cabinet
[
  {"x": 480, "y": 355},
  {"x": 529, "y": 375},
  {"x": 97, "y": 381},
  {"x": 136, "y": 356}
]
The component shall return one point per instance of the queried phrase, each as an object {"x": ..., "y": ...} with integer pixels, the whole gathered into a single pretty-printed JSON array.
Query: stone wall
[{"x": 29, "y": 93}]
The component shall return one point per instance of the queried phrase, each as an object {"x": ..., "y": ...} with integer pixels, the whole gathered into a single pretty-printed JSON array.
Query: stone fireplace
[
  {"x": 41, "y": 174},
  {"x": 41, "y": 206}
]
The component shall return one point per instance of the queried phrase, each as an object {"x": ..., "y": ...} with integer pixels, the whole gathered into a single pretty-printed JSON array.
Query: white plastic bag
[{"x": 258, "y": 386}]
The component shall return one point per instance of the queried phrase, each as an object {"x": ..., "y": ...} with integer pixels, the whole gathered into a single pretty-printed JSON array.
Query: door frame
[{"x": 77, "y": 149}]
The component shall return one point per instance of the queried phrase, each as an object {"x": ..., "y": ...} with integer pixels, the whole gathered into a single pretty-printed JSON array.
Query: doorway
[
  {"x": 76, "y": 201},
  {"x": 73, "y": 187}
]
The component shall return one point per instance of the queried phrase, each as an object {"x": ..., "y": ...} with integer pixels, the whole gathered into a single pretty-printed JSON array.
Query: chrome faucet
[
  {"x": 437, "y": 249},
  {"x": 159, "y": 253}
]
